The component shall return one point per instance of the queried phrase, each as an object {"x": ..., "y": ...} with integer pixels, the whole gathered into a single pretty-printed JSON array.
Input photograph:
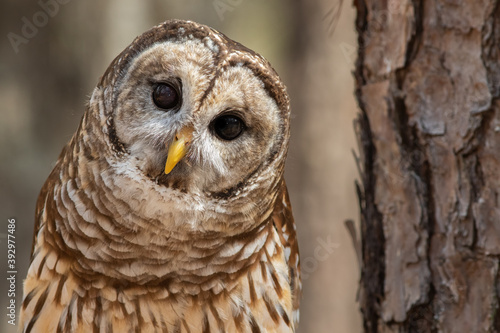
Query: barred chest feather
[
  {"x": 62, "y": 303},
  {"x": 86, "y": 276}
]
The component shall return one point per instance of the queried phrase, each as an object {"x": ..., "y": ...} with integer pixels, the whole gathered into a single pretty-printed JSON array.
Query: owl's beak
[{"x": 178, "y": 148}]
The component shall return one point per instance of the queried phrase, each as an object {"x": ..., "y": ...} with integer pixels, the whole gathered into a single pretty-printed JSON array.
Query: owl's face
[{"x": 210, "y": 115}]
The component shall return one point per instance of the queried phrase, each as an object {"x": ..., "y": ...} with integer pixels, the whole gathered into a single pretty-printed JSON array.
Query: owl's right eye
[{"x": 166, "y": 96}]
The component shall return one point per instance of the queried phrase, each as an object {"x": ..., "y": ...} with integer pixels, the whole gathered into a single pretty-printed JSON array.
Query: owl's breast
[{"x": 256, "y": 298}]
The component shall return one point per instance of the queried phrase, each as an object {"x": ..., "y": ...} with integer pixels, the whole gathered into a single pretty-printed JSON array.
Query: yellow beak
[{"x": 178, "y": 148}]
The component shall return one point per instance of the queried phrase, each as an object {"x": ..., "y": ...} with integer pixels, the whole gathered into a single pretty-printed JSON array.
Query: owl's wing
[
  {"x": 46, "y": 191},
  {"x": 285, "y": 226}
]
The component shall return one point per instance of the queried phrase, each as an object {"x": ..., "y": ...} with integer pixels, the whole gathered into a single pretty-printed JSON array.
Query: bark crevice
[
  {"x": 373, "y": 272},
  {"x": 373, "y": 256},
  {"x": 420, "y": 318}
]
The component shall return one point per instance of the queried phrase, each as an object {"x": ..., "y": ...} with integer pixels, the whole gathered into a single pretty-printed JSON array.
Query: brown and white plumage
[{"x": 121, "y": 246}]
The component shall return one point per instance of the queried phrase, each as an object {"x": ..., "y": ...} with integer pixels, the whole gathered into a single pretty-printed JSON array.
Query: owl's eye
[
  {"x": 228, "y": 127},
  {"x": 166, "y": 96}
]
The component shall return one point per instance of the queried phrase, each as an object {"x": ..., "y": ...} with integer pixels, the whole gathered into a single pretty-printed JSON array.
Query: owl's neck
[{"x": 106, "y": 225}]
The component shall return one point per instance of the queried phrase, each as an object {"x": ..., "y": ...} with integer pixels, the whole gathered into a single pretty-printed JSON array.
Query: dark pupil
[
  {"x": 228, "y": 127},
  {"x": 165, "y": 96}
]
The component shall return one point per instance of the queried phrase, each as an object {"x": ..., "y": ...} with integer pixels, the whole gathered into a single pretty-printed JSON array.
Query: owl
[{"x": 167, "y": 211}]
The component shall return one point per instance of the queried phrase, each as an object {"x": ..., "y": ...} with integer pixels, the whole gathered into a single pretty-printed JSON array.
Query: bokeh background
[{"x": 46, "y": 78}]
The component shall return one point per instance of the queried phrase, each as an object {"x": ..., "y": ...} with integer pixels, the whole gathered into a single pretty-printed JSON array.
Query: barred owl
[{"x": 167, "y": 211}]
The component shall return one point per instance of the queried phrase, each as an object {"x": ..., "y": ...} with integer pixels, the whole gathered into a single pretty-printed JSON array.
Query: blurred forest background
[{"x": 45, "y": 82}]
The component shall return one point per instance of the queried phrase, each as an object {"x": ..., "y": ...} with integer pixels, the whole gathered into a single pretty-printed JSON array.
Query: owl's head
[{"x": 196, "y": 112}]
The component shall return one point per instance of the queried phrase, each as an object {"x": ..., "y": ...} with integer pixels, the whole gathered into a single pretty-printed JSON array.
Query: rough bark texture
[{"x": 428, "y": 85}]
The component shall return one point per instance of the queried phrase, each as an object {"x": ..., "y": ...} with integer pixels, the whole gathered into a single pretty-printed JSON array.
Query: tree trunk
[{"x": 428, "y": 83}]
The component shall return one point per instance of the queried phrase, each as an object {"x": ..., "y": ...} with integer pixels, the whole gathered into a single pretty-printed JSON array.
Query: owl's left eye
[
  {"x": 166, "y": 96},
  {"x": 228, "y": 127}
]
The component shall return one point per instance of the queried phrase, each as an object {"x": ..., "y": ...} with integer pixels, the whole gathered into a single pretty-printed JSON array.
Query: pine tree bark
[{"x": 428, "y": 86}]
